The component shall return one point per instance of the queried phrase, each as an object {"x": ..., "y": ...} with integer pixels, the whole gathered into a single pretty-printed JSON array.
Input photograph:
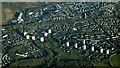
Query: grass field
[
  {"x": 99, "y": 64},
  {"x": 115, "y": 60}
]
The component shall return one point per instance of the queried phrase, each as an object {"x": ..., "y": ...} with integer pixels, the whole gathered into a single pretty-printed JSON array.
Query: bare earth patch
[{"x": 7, "y": 14}]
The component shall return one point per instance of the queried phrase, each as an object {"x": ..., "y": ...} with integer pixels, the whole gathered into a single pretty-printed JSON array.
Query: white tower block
[
  {"x": 20, "y": 16},
  {"x": 25, "y": 33},
  {"x": 92, "y": 48},
  {"x": 42, "y": 39},
  {"x": 76, "y": 45},
  {"x": 49, "y": 31},
  {"x": 84, "y": 47},
  {"x": 46, "y": 34},
  {"x": 33, "y": 37},
  {"x": 101, "y": 50},
  {"x": 107, "y": 51},
  {"x": 84, "y": 41},
  {"x": 67, "y": 44},
  {"x": 27, "y": 37}
]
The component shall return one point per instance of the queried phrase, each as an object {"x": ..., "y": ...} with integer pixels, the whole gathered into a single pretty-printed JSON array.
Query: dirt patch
[{"x": 6, "y": 15}]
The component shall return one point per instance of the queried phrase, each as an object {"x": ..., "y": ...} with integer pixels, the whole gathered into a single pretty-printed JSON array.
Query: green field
[{"x": 115, "y": 60}]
